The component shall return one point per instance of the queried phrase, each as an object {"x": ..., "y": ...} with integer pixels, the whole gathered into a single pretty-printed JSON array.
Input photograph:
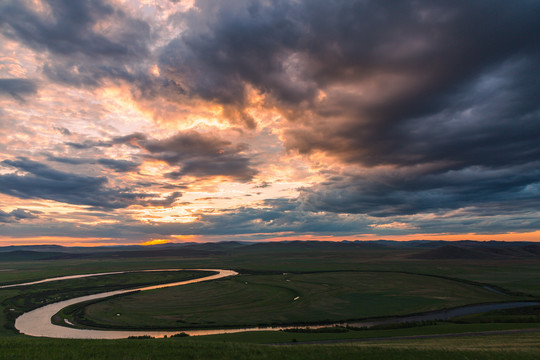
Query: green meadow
[
  {"x": 282, "y": 286},
  {"x": 498, "y": 347},
  {"x": 252, "y": 300}
]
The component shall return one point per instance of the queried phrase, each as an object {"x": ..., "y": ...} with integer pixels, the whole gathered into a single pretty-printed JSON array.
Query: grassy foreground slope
[
  {"x": 438, "y": 330},
  {"x": 523, "y": 347}
]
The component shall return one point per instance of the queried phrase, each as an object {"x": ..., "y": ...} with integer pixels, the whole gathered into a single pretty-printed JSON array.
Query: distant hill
[
  {"x": 39, "y": 248},
  {"x": 480, "y": 252},
  {"x": 181, "y": 252},
  {"x": 450, "y": 252},
  {"x": 286, "y": 246},
  {"x": 532, "y": 248},
  {"x": 27, "y": 255},
  {"x": 216, "y": 246},
  {"x": 420, "y": 249}
]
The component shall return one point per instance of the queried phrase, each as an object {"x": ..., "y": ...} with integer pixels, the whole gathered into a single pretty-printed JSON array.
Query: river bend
[{"x": 38, "y": 322}]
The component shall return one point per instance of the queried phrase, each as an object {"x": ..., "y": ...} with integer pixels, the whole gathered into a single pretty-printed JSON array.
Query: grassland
[
  {"x": 252, "y": 300},
  {"x": 330, "y": 284},
  {"x": 17, "y": 300},
  {"x": 490, "y": 348},
  {"x": 439, "y": 329},
  {"x": 529, "y": 314}
]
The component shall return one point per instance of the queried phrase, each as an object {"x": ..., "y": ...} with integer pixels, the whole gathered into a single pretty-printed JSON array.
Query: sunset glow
[{"x": 131, "y": 122}]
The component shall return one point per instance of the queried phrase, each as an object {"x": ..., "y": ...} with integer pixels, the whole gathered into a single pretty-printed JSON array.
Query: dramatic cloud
[
  {"x": 116, "y": 165},
  {"x": 17, "y": 88},
  {"x": 203, "y": 156},
  {"x": 271, "y": 117},
  {"x": 15, "y": 216},
  {"x": 413, "y": 191},
  {"x": 40, "y": 181},
  {"x": 119, "y": 165},
  {"x": 198, "y": 155},
  {"x": 391, "y": 75},
  {"x": 436, "y": 85},
  {"x": 87, "y": 40},
  {"x": 131, "y": 140}
]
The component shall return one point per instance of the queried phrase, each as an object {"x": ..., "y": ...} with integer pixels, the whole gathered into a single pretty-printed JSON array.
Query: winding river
[{"x": 38, "y": 322}]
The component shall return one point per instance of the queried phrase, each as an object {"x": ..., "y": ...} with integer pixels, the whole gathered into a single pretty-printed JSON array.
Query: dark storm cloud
[
  {"x": 62, "y": 130},
  {"x": 16, "y": 216},
  {"x": 228, "y": 45},
  {"x": 39, "y": 181},
  {"x": 87, "y": 75},
  {"x": 195, "y": 154},
  {"x": 130, "y": 140},
  {"x": 495, "y": 113},
  {"x": 80, "y": 53},
  {"x": 116, "y": 165},
  {"x": 202, "y": 155},
  {"x": 119, "y": 165},
  {"x": 69, "y": 29},
  {"x": 450, "y": 87},
  {"x": 434, "y": 56},
  {"x": 17, "y": 88},
  {"x": 407, "y": 192},
  {"x": 70, "y": 160}
]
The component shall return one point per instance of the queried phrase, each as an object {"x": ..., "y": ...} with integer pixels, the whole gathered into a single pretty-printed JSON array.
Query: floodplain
[{"x": 282, "y": 284}]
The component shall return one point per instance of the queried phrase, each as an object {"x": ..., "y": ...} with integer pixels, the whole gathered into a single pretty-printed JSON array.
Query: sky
[{"x": 150, "y": 121}]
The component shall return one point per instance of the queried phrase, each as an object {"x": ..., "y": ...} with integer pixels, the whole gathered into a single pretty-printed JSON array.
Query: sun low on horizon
[{"x": 147, "y": 122}]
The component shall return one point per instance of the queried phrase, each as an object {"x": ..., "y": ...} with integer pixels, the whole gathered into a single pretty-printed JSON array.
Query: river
[{"x": 38, "y": 322}]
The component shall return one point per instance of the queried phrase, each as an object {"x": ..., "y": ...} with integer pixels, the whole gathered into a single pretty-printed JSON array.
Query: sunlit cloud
[
  {"x": 145, "y": 122},
  {"x": 156, "y": 242},
  {"x": 393, "y": 225}
]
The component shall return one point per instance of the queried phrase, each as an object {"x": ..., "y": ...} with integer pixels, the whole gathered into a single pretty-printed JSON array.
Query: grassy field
[
  {"x": 15, "y": 301},
  {"x": 488, "y": 348},
  {"x": 251, "y": 300},
  {"x": 527, "y": 314},
  {"x": 439, "y": 328},
  {"x": 329, "y": 285}
]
